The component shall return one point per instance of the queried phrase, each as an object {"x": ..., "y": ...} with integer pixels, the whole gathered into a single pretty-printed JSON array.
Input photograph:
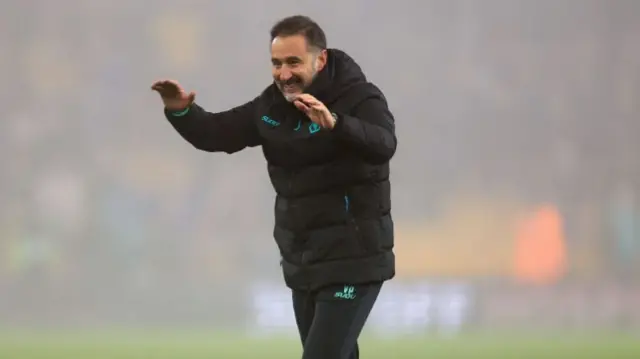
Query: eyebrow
[{"x": 288, "y": 59}]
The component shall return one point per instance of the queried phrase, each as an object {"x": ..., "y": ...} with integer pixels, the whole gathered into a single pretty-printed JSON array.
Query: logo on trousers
[{"x": 348, "y": 292}]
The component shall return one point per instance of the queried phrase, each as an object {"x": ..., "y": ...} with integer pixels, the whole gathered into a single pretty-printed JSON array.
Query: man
[{"x": 327, "y": 135}]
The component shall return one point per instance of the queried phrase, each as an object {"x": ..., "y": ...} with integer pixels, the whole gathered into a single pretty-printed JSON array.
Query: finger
[
  {"x": 317, "y": 106},
  {"x": 307, "y": 99},
  {"x": 192, "y": 97},
  {"x": 164, "y": 91},
  {"x": 310, "y": 100},
  {"x": 158, "y": 87},
  {"x": 323, "y": 117},
  {"x": 302, "y": 106},
  {"x": 170, "y": 90},
  {"x": 157, "y": 83},
  {"x": 323, "y": 121},
  {"x": 171, "y": 84},
  {"x": 167, "y": 84},
  {"x": 164, "y": 83}
]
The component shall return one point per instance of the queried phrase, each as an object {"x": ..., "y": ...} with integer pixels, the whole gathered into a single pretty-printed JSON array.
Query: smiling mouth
[{"x": 290, "y": 88}]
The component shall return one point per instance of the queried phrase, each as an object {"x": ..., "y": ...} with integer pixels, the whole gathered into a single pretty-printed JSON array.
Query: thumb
[{"x": 191, "y": 97}]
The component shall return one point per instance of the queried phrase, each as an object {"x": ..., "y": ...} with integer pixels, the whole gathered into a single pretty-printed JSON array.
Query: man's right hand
[{"x": 173, "y": 95}]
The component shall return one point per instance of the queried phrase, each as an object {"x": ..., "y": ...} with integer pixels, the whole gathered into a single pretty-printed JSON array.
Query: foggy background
[{"x": 516, "y": 186}]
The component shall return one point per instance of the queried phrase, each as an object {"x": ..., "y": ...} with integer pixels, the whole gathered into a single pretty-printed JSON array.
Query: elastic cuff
[{"x": 181, "y": 113}]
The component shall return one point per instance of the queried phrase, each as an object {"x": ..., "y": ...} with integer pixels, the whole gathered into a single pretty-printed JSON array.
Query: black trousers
[{"x": 330, "y": 320}]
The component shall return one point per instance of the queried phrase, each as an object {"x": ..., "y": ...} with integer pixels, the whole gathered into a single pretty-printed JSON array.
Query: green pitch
[{"x": 211, "y": 345}]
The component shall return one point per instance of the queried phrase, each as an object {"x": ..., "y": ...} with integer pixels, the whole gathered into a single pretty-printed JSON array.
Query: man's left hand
[{"x": 315, "y": 110}]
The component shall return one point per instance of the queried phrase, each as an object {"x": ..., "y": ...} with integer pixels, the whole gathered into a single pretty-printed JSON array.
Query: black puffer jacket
[{"x": 333, "y": 210}]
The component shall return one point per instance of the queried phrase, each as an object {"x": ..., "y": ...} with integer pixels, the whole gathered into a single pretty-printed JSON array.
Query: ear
[{"x": 321, "y": 60}]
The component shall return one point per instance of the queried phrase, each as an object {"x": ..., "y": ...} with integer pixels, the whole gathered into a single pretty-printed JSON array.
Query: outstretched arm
[{"x": 228, "y": 131}]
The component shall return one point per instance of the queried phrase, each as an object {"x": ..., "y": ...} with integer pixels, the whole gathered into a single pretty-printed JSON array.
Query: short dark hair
[{"x": 301, "y": 25}]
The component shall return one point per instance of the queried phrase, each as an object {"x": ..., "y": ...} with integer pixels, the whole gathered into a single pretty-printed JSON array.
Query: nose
[{"x": 285, "y": 74}]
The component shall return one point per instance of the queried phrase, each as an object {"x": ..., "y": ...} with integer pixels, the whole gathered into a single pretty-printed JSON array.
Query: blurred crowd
[{"x": 527, "y": 102}]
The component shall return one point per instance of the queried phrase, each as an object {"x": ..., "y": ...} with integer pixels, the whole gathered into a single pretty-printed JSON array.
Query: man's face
[{"x": 294, "y": 64}]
